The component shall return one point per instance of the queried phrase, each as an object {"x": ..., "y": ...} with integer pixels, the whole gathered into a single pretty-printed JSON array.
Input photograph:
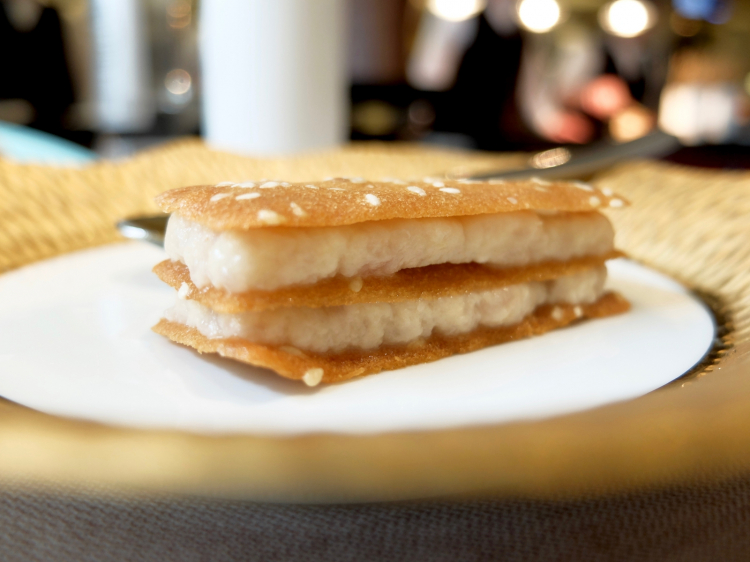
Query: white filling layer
[
  {"x": 368, "y": 326},
  {"x": 267, "y": 259}
]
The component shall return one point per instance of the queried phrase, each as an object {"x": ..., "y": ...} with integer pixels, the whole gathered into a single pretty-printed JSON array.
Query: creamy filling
[
  {"x": 270, "y": 258},
  {"x": 368, "y": 326}
]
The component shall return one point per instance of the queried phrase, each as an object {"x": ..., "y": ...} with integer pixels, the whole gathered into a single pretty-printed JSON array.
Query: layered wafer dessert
[{"x": 329, "y": 280}]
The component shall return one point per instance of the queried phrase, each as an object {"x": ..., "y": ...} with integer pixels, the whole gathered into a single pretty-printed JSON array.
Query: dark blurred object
[
  {"x": 174, "y": 61},
  {"x": 461, "y": 94},
  {"x": 724, "y": 157},
  {"x": 35, "y": 88},
  {"x": 483, "y": 102},
  {"x": 376, "y": 58},
  {"x": 376, "y": 41}
]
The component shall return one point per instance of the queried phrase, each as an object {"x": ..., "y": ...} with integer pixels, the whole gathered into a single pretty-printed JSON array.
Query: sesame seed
[
  {"x": 220, "y": 196},
  {"x": 337, "y": 189},
  {"x": 357, "y": 180},
  {"x": 417, "y": 190},
  {"x": 224, "y": 184},
  {"x": 246, "y": 196},
  {"x": 297, "y": 210},
  {"x": 183, "y": 291},
  {"x": 594, "y": 201},
  {"x": 246, "y": 184},
  {"x": 607, "y": 191},
  {"x": 540, "y": 181},
  {"x": 285, "y": 184},
  {"x": 373, "y": 200},
  {"x": 450, "y": 190},
  {"x": 269, "y": 217},
  {"x": 539, "y": 188},
  {"x": 512, "y": 200},
  {"x": 312, "y": 377},
  {"x": 438, "y": 184},
  {"x": 581, "y": 185},
  {"x": 578, "y": 311},
  {"x": 616, "y": 203},
  {"x": 557, "y": 313},
  {"x": 311, "y": 186},
  {"x": 269, "y": 184},
  {"x": 329, "y": 178},
  {"x": 356, "y": 284}
]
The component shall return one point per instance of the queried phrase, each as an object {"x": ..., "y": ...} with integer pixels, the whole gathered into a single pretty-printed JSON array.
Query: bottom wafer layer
[{"x": 295, "y": 364}]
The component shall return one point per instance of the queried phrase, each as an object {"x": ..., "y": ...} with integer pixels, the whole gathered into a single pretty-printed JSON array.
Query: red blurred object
[
  {"x": 570, "y": 127},
  {"x": 605, "y": 96}
]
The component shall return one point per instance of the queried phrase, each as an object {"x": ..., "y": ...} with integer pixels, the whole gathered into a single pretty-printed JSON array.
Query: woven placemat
[{"x": 691, "y": 224}]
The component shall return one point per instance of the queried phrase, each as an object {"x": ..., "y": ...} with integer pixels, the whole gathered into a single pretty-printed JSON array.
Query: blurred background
[{"x": 273, "y": 77}]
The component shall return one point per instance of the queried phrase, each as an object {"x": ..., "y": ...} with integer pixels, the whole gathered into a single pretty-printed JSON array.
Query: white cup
[
  {"x": 122, "y": 70},
  {"x": 273, "y": 75}
]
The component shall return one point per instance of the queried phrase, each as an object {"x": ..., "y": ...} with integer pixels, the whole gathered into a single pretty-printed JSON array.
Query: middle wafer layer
[{"x": 428, "y": 282}]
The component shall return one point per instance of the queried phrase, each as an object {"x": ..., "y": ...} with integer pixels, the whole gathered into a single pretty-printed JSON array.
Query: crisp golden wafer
[
  {"x": 314, "y": 368},
  {"x": 337, "y": 202},
  {"x": 429, "y": 282}
]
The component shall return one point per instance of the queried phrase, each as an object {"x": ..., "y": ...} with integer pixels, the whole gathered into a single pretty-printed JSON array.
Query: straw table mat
[{"x": 663, "y": 477}]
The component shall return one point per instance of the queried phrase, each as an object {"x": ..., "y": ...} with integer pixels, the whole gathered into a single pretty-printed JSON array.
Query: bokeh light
[
  {"x": 631, "y": 123},
  {"x": 627, "y": 18},
  {"x": 539, "y": 16},
  {"x": 456, "y": 10},
  {"x": 178, "y": 82}
]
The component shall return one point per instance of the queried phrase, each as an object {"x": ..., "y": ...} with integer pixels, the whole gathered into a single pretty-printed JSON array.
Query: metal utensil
[
  {"x": 576, "y": 164},
  {"x": 150, "y": 228},
  {"x": 583, "y": 162}
]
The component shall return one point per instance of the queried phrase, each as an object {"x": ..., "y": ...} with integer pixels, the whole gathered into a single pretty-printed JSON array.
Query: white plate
[{"x": 75, "y": 340}]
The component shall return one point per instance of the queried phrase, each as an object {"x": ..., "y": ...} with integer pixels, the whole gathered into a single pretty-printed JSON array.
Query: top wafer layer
[{"x": 342, "y": 201}]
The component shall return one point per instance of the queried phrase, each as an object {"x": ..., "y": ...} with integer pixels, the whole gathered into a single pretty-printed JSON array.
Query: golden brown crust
[
  {"x": 293, "y": 364},
  {"x": 429, "y": 282},
  {"x": 341, "y": 201}
]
